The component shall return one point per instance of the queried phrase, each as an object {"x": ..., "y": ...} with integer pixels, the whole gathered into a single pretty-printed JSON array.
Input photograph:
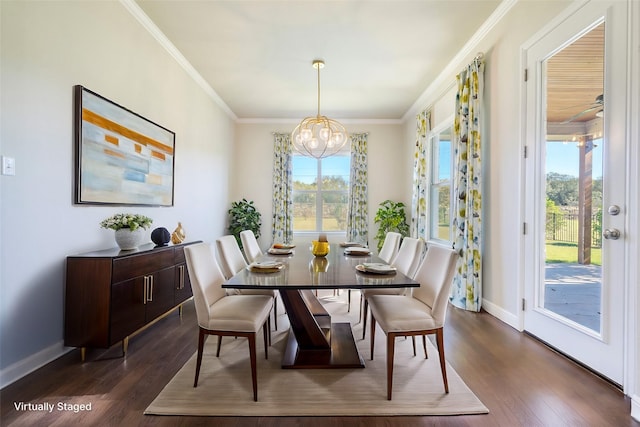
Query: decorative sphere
[{"x": 160, "y": 236}]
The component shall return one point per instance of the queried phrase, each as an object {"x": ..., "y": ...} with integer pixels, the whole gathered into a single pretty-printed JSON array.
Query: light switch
[{"x": 8, "y": 165}]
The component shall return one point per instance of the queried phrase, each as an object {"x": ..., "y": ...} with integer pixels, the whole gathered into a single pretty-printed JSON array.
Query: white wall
[
  {"x": 47, "y": 48},
  {"x": 390, "y": 167}
]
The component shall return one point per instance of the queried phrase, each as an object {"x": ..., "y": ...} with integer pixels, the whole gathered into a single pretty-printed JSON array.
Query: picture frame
[{"x": 121, "y": 158}]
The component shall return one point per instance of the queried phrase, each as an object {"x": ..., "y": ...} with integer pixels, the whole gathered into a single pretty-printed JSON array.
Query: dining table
[{"x": 314, "y": 340}]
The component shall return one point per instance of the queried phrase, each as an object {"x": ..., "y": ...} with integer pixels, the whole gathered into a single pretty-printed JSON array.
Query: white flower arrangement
[{"x": 126, "y": 220}]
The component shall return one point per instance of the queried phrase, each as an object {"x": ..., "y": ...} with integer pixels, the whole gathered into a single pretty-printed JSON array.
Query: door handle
[{"x": 611, "y": 234}]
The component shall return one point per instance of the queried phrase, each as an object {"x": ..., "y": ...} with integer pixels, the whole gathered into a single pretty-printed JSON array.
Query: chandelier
[{"x": 319, "y": 136}]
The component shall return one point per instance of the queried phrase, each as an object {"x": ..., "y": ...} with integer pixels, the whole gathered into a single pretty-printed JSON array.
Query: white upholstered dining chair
[
  {"x": 390, "y": 246},
  {"x": 387, "y": 253},
  {"x": 250, "y": 245},
  {"x": 224, "y": 315},
  {"x": 419, "y": 314},
  {"x": 232, "y": 261},
  {"x": 406, "y": 262}
]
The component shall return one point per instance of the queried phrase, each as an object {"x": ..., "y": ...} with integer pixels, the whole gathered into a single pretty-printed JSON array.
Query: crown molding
[
  {"x": 435, "y": 89},
  {"x": 157, "y": 34},
  {"x": 343, "y": 121}
]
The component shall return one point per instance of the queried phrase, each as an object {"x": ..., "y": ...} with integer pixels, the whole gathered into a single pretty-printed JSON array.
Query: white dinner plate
[
  {"x": 282, "y": 246},
  {"x": 350, "y": 244},
  {"x": 265, "y": 267},
  {"x": 357, "y": 251},
  {"x": 375, "y": 268},
  {"x": 277, "y": 251}
]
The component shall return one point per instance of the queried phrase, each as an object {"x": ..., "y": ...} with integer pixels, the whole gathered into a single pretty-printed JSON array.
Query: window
[
  {"x": 320, "y": 193},
  {"x": 440, "y": 189}
]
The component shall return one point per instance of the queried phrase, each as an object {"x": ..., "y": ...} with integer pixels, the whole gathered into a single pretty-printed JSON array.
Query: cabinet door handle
[
  {"x": 145, "y": 288},
  {"x": 150, "y": 289},
  {"x": 181, "y": 269}
]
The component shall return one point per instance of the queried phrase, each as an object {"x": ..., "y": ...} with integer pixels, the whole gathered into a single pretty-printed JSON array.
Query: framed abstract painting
[{"x": 121, "y": 157}]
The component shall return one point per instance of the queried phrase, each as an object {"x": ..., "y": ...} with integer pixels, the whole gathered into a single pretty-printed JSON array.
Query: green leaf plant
[
  {"x": 390, "y": 217},
  {"x": 243, "y": 215}
]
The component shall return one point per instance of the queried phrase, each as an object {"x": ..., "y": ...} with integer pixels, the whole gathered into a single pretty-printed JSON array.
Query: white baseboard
[
  {"x": 501, "y": 314},
  {"x": 635, "y": 407},
  {"x": 24, "y": 367}
]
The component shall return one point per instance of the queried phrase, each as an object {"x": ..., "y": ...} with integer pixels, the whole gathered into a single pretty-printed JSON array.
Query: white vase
[{"x": 127, "y": 239}]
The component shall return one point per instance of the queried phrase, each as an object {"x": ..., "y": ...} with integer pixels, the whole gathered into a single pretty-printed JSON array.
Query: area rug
[{"x": 224, "y": 387}]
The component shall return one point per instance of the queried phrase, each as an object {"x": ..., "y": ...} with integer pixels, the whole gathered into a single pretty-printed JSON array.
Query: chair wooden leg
[
  {"x": 349, "y": 301},
  {"x": 275, "y": 313},
  {"x": 372, "y": 335},
  {"x": 443, "y": 367},
  {"x": 413, "y": 341},
  {"x": 199, "y": 358},
  {"x": 269, "y": 329},
  {"x": 391, "y": 344},
  {"x": 364, "y": 318},
  {"x": 424, "y": 346},
  {"x": 252, "y": 355},
  {"x": 266, "y": 332},
  {"x": 219, "y": 345},
  {"x": 360, "y": 307}
]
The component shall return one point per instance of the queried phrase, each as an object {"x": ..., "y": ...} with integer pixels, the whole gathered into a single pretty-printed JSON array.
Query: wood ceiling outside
[{"x": 575, "y": 77}]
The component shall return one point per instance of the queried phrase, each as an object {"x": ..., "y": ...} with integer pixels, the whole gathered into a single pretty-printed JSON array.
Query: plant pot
[{"x": 128, "y": 240}]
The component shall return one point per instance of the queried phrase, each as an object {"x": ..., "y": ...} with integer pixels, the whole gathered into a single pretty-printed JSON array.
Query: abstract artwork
[{"x": 121, "y": 157}]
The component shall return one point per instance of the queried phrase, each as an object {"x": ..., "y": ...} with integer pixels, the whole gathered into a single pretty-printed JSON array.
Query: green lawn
[
  {"x": 568, "y": 252},
  {"x": 302, "y": 224}
]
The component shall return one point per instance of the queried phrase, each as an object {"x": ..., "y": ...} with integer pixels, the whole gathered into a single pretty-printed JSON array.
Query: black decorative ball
[{"x": 160, "y": 236}]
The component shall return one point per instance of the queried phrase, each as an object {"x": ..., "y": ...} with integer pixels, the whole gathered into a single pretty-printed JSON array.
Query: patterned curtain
[
  {"x": 358, "y": 213},
  {"x": 282, "y": 188},
  {"x": 467, "y": 181},
  {"x": 420, "y": 192}
]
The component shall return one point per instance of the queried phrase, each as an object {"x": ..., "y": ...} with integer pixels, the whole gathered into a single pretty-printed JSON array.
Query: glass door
[{"x": 575, "y": 184}]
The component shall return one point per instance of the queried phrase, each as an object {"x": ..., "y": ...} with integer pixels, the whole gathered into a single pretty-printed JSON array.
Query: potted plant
[
  {"x": 243, "y": 215},
  {"x": 129, "y": 228},
  {"x": 390, "y": 217}
]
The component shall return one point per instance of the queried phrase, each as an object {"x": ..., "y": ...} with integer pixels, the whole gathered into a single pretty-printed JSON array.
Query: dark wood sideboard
[{"x": 111, "y": 294}]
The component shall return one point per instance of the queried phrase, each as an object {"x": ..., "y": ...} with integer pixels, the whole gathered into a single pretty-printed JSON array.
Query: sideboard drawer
[
  {"x": 179, "y": 256},
  {"x": 139, "y": 265}
]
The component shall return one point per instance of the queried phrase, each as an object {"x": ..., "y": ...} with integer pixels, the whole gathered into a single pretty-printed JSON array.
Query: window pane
[
  {"x": 334, "y": 211},
  {"x": 304, "y": 211},
  {"x": 320, "y": 193},
  {"x": 444, "y": 208},
  {"x": 440, "y": 203},
  {"x": 305, "y": 173},
  {"x": 335, "y": 173},
  {"x": 444, "y": 155}
]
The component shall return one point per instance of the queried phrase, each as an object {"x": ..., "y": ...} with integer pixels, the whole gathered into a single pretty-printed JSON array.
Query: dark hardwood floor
[{"x": 520, "y": 380}]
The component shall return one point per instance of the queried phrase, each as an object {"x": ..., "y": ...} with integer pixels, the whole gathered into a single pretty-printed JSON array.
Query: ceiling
[
  {"x": 575, "y": 79},
  {"x": 380, "y": 55}
]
